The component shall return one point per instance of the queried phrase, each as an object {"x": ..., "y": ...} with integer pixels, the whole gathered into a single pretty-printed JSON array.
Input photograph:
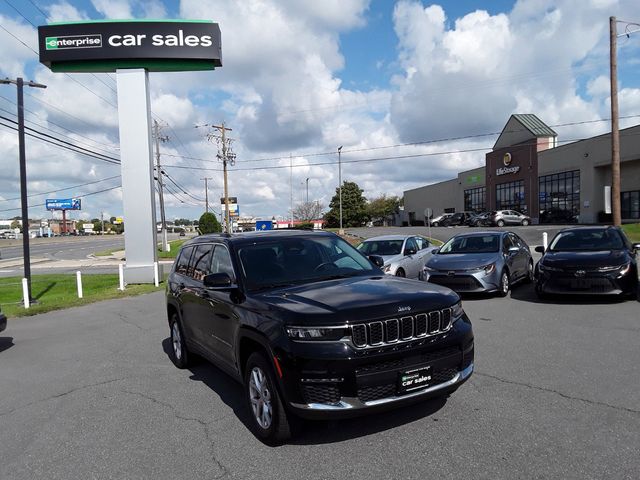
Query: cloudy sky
[{"x": 413, "y": 91}]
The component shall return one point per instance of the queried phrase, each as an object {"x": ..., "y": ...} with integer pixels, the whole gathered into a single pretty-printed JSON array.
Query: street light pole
[
  {"x": 341, "y": 230},
  {"x": 307, "y": 190},
  {"x": 20, "y": 83}
]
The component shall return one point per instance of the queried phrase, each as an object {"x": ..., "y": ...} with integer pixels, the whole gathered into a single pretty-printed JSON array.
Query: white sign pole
[
  {"x": 545, "y": 240},
  {"x": 155, "y": 274},
  {"x": 79, "y": 283},
  {"x": 138, "y": 193},
  {"x": 25, "y": 292},
  {"x": 121, "y": 276}
]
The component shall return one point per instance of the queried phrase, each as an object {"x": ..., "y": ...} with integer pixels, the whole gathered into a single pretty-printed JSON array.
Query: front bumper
[
  {"x": 465, "y": 282},
  {"x": 340, "y": 381},
  {"x": 591, "y": 284}
]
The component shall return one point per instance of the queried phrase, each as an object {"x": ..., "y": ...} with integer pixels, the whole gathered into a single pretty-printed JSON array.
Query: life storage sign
[{"x": 104, "y": 46}]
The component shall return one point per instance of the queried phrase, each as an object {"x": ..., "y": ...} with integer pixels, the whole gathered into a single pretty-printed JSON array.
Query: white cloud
[
  {"x": 119, "y": 9},
  {"x": 64, "y": 11},
  {"x": 13, "y": 53}
]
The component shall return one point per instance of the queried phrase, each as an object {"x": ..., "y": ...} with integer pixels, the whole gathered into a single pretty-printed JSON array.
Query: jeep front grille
[{"x": 394, "y": 330}]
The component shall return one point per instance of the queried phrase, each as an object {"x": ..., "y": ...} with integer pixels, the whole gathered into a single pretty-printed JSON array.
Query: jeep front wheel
[{"x": 268, "y": 416}]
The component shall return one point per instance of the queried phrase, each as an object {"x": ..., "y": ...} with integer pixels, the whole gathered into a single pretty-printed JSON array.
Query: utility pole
[
  {"x": 227, "y": 157},
  {"x": 20, "y": 83},
  {"x": 615, "y": 133},
  {"x": 206, "y": 192},
  {"x": 291, "y": 186},
  {"x": 341, "y": 230},
  {"x": 307, "y": 190},
  {"x": 102, "y": 221},
  {"x": 160, "y": 138}
]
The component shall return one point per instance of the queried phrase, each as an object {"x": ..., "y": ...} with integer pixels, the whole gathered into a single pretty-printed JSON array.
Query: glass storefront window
[
  {"x": 510, "y": 196},
  {"x": 630, "y": 204},
  {"x": 475, "y": 199},
  {"x": 559, "y": 197}
]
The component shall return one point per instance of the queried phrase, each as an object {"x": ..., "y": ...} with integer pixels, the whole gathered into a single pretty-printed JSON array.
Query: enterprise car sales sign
[{"x": 104, "y": 46}]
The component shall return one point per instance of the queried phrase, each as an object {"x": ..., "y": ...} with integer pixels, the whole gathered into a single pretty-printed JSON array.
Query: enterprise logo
[{"x": 73, "y": 41}]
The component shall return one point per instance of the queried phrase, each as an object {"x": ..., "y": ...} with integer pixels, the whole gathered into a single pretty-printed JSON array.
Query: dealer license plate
[{"x": 415, "y": 379}]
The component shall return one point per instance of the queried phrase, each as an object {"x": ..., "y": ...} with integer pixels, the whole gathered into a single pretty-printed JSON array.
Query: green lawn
[
  {"x": 174, "y": 248},
  {"x": 55, "y": 292},
  {"x": 633, "y": 231}
]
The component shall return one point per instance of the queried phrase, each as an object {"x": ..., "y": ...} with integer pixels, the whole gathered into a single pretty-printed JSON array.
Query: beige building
[{"x": 528, "y": 172}]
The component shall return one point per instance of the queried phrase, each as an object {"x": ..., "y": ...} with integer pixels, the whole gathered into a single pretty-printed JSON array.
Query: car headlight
[
  {"x": 316, "y": 333},
  {"x": 430, "y": 269},
  {"x": 488, "y": 269},
  {"x": 386, "y": 268},
  {"x": 624, "y": 269}
]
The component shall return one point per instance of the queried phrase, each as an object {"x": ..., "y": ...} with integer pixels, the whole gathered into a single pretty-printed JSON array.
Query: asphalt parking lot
[{"x": 91, "y": 393}]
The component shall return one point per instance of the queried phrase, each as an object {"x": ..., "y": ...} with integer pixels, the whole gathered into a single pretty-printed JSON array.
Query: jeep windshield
[{"x": 279, "y": 262}]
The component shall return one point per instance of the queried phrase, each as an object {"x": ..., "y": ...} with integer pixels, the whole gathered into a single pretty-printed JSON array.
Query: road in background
[{"x": 91, "y": 393}]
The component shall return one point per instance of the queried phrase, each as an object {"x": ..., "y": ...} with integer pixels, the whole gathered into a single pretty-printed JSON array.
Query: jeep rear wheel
[{"x": 268, "y": 416}]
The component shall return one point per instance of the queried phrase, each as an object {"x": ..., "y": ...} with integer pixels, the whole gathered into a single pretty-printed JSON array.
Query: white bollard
[
  {"x": 545, "y": 239},
  {"x": 79, "y": 282},
  {"x": 155, "y": 274},
  {"x": 121, "y": 275},
  {"x": 25, "y": 292}
]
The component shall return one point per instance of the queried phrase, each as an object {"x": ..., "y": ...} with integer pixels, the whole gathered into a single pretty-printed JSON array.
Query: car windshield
[
  {"x": 381, "y": 247},
  {"x": 587, "y": 240},
  {"x": 290, "y": 261},
  {"x": 471, "y": 244}
]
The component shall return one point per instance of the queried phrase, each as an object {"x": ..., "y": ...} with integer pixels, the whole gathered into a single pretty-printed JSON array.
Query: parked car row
[
  {"x": 496, "y": 218},
  {"x": 580, "y": 260}
]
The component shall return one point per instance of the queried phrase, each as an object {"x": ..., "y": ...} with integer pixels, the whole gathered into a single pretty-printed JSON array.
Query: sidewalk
[{"x": 91, "y": 261}]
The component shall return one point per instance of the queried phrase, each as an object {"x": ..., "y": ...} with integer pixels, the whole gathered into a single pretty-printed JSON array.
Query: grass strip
[
  {"x": 174, "y": 248},
  {"x": 59, "y": 291},
  {"x": 633, "y": 231}
]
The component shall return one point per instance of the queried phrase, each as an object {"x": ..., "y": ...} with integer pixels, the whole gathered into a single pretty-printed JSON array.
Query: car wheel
[
  {"x": 505, "y": 284},
  {"x": 540, "y": 294},
  {"x": 179, "y": 353},
  {"x": 268, "y": 417},
  {"x": 529, "y": 277},
  {"x": 436, "y": 224},
  {"x": 400, "y": 273},
  {"x": 500, "y": 223},
  {"x": 525, "y": 222}
]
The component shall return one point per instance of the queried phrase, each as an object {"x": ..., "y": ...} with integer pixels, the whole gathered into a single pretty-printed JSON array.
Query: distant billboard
[
  {"x": 63, "y": 204},
  {"x": 264, "y": 225}
]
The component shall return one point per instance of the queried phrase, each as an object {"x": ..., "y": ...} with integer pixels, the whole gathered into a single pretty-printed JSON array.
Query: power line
[
  {"x": 94, "y": 155},
  {"x": 181, "y": 188}
]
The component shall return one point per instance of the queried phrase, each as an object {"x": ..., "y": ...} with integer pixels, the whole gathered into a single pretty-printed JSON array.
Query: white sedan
[{"x": 404, "y": 255}]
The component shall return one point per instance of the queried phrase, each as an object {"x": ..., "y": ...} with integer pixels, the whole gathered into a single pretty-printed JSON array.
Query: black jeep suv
[{"x": 313, "y": 328}]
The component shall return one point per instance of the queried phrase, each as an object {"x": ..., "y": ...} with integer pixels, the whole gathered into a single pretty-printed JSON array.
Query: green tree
[
  {"x": 382, "y": 207},
  {"x": 354, "y": 207},
  {"x": 16, "y": 224},
  {"x": 208, "y": 223}
]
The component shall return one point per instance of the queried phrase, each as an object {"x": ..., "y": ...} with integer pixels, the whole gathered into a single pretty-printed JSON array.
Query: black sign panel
[{"x": 173, "y": 45}]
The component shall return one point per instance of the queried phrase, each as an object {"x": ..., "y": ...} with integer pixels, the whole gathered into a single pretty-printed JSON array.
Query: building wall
[{"x": 593, "y": 158}]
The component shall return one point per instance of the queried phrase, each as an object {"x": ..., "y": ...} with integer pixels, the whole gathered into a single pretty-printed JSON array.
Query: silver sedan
[
  {"x": 403, "y": 255},
  {"x": 481, "y": 262}
]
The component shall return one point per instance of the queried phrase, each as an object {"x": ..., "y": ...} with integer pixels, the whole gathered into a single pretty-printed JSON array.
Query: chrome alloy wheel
[
  {"x": 176, "y": 339},
  {"x": 505, "y": 283},
  {"x": 260, "y": 398}
]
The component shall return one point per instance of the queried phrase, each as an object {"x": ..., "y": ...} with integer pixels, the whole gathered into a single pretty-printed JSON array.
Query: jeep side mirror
[
  {"x": 217, "y": 280},
  {"x": 539, "y": 249}
]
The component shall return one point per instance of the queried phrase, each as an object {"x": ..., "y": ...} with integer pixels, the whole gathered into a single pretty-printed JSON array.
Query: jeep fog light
[{"x": 315, "y": 333}]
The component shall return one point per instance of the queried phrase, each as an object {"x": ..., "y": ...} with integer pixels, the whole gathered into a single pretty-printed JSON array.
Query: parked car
[
  {"x": 558, "y": 215},
  {"x": 403, "y": 255},
  {"x": 508, "y": 217},
  {"x": 481, "y": 262},
  {"x": 312, "y": 328},
  {"x": 438, "y": 221},
  {"x": 478, "y": 219},
  {"x": 459, "y": 218},
  {"x": 588, "y": 260}
]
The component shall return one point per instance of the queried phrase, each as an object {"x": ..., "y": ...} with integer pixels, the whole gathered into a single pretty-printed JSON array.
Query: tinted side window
[
  {"x": 221, "y": 262},
  {"x": 421, "y": 242},
  {"x": 182, "y": 263},
  {"x": 411, "y": 245},
  {"x": 201, "y": 261}
]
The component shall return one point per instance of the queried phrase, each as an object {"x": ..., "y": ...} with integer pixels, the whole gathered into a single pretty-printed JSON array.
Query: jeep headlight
[
  {"x": 456, "y": 312},
  {"x": 316, "y": 333}
]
